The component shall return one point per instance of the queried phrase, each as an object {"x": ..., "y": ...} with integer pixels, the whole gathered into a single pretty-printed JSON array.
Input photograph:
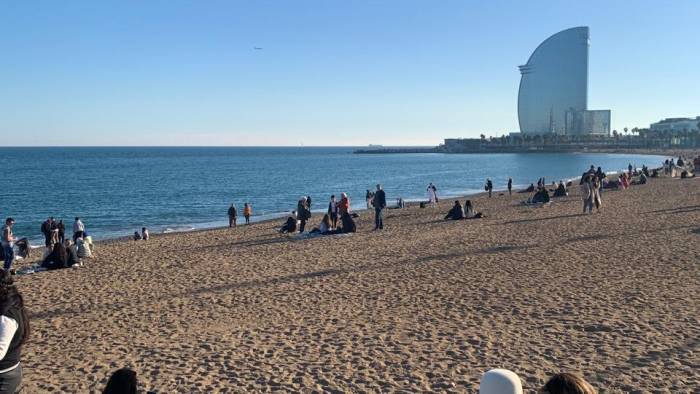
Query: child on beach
[
  {"x": 247, "y": 211},
  {"x": 144, "y": 234}
]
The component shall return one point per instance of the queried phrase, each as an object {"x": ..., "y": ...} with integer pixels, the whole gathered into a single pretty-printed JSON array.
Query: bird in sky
[{"x": 257, "y": 48}]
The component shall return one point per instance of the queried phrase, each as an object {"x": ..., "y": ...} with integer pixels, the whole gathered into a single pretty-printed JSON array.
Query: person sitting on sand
[
  {"x": 456, "y": 213},
  {"x": 290, "y": 226},
  {"x": 348, "y": 225},
  {"x": 324, "y": 227},
  {"x": 561, "y": 190},
  {"x": 529, "y": 189},
  {"x": 541, "y": 197},
  {"x": 72, "y": 253},
  {"x": 137, "y": 236},
  {"x": 84, "y": 250},
  {"x": 470, "y": 212},
  {"x": 567, "y": 383},
  {"x": 122, "y": 381},
  {"x": 57, "y": 259},
  {"x": 144, "y": 234}
]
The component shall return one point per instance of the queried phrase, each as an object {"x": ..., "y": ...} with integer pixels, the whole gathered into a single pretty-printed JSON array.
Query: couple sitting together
[
  {"x": 325, "y": 227},
  {"x": 468, "y": 212}
]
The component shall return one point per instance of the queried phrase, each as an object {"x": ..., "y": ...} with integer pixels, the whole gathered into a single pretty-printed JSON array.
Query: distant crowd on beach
[{"x": 63, "y": 252}]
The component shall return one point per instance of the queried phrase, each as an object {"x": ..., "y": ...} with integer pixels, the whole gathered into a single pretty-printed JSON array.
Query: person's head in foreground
[
  {"x": 567, "y": 383},
  {"x": 379, "y": 187},
  {"x": 122, "y": 381},
  {"x": 9, "y": 221},
  {"x": 468, "y": 203},
  {"x": 500, "y": 381}
]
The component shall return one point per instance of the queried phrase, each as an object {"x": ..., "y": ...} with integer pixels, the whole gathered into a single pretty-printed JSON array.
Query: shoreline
[{"x": 270, "y": 217}]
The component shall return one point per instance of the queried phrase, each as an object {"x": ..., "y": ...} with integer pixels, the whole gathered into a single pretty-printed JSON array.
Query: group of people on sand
[
  {"x": 233, "y": 214},
  {"x": 143, "y": 235},
  {"x": 459, "y": 212},
  {"x": 66, "y": 253},
  {"x": 59, "y": 253},
  {"x": 338, "y": 210}
]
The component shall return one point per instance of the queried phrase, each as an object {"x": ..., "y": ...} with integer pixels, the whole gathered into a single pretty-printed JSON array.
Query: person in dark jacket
[
  {"x": 510, "y": 186},
  {"x": 456, "y": 213},
  {"x": 14, "y": 331},
  {"x": 303, "y": 213},
  {"x": 290, "y": 225},
  {"x": 379, "y": 203},
  {"x": 348, "y": 225},
  {"x": 122, "y": 381},
  {"x": 61, "y": 231},
  {"x": 46, "y": 230},
  {"x": 489, "y": 186},
  {"x": 57, "y": 259},
  {"x": 232, "y": 215}
]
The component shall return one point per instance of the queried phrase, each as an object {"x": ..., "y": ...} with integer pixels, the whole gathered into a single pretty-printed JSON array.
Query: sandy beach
[{"x": 425, "y": 305}]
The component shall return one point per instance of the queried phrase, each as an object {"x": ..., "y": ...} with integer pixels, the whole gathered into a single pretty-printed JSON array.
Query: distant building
[
  {"x": 677, "y": 124},
  {"x": 553, "y": 93}
]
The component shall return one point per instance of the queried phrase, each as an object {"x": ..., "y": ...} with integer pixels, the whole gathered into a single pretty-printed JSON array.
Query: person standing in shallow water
[
  {"x": 232, "y": 213},
  {"x": 379, "y": 202},
  {"x": 510, "y": 186}
]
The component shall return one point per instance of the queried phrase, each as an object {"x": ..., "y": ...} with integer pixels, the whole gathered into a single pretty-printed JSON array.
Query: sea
[{"x": 118, "y": 190}]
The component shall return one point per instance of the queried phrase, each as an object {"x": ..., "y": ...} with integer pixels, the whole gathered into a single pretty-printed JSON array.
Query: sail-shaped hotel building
[{"x": 553, "y": 94}]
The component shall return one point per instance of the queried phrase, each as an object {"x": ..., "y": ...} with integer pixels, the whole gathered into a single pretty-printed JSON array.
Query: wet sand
[{"x": 425, "y": 305}]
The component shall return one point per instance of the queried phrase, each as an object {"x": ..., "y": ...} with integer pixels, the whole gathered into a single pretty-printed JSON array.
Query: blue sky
[{"x": 329, "y": 73}]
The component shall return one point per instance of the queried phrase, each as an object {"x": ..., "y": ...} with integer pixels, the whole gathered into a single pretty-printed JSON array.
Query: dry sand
[{"x": 425, "y": 305}]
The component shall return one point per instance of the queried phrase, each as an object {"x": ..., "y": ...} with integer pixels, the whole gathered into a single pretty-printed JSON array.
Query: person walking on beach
[
  {"x": 595, "y": 190},
  {"x": 510, "y": 186},
  {"x": 333, "y": 212},
  {"x": 431, "y": 191},
  {"x": 232, "y": 216},
  {"x": 489, "y": 186},
  {"x": 14, "y": 330},
  {"x": 247, "y": 211},
  {"x": 379, "y": 203},
  {"x": 78, "y": 229},
  {"x": 587, "y": 194},
  {"x": 600, "y": 175},
  {"x": 368, "y": 198},
  {"x": 7, "y": 239}
]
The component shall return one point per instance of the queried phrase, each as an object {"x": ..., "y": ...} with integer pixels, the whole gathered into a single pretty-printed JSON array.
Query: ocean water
[{"x": 116, "y": 191}]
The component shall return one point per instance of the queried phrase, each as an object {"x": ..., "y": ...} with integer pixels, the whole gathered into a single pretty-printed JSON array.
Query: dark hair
[
  {"x": 10, "y": 296},
  {"x": 567, "y": 383},
  {"x": 468, "y": 203},
  {"x": 8, "y": 220},
  {"x": 77, "y": 218},
  {"x": 122, "y": 381},
  {"x": 332, "y": 195}
]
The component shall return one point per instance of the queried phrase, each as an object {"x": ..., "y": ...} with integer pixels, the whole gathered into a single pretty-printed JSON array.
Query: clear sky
[{"x": 330, "y": 72}]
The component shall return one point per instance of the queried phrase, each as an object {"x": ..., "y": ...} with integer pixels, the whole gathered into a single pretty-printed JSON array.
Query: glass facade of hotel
[{"x": 555, "y": 81}]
